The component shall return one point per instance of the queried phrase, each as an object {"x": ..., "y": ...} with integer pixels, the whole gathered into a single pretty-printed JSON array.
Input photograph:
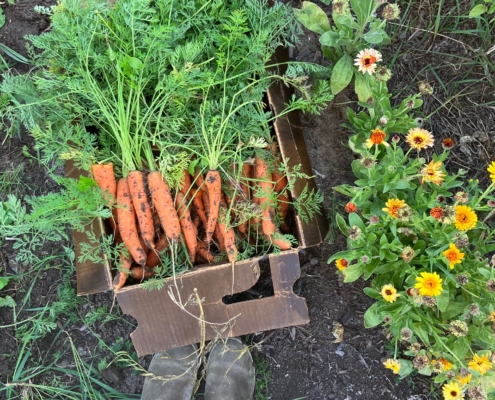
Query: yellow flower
[
  {"x": 433, "y": 173},
  {"x": 341, "y": 264},
  {"x": 366, "y": 60},
  {"x": 452, "y": 391},
  {"x": 389, "y": 293},
  {"x": 453, "y": 255},
  {"x": 393, "y": 365},
  {"x": 481, "y": 364},
  {"x": 465, "y": 218},
  {"x": 447, "y": 365},
  {"x": 491, "y": 170},
  {"x": 377, "y": 137},
  {"x": 419, "y": 138},
  {"x": 429, "y": 284},
  {"x": 464, "y": 380},
  {"x": 393, "y": 206},
  {"x": 491, "y": 316}
]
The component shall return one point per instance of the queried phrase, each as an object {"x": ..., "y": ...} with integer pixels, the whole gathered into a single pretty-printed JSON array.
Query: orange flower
[
  {"x": 432, "y": 173},
  {"x": 366, "y": 60},
  {"x": 436, "y": 212},
  {"x": 447, "y": 143},
  {"x": 341, "y": 264},
  {"x": 377, "y": 137},
  {"x": 393, "y": 206},
  {"x": 350, "y": 207}
]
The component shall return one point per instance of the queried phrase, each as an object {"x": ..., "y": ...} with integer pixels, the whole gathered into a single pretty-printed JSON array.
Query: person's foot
[
  {"x": 173, "y": 374},
  {"x": 229, "y": 372}
]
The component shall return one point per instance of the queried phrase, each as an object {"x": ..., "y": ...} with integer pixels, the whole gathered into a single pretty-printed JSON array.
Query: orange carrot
[
  {"x": 280, "y": 241},
  {"x": 140, "y": 273},
  {"x": 104, "y": 176},
  {"x": 164, "y": 205},
  {"x": 246, "y": 173},
  {"x": 154, "y": 255},
  {"x": 204, "y": 254},
  {"x": 217, "y": 233},
  {"x": 213, "y": 183},
  {"x": 266, "y": 203},
  {"x": 188, "y": 229},
  {"x": 281, "y": 188},
  {"x": 127, "y": 222},
  {"x": 197, "y": 198},
  {"x": 121, "y": 276},
  {"x": 186, "y": 184},
  {"x": 228, "y": 237},
  {"x": 135, "y": 179}
]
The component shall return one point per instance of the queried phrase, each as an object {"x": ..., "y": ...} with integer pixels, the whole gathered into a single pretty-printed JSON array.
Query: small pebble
[
  {"x": 314, "y": 261},
  {"x": 340, "y": 353}
]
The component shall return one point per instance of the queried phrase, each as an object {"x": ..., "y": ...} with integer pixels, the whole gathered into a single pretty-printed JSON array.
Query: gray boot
[
  {"x": 229, "y": 372},
  {"x": 174, "y": 373}
]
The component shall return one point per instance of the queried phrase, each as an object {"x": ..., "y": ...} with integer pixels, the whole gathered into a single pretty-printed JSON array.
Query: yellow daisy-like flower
[
  {"x": 452, "y": 391},
  {"x": 366, "y": 60},
  {"x": 377, "y": 137},
  {"x": 393, "y": 206},
  {"x": 481, "y": 364},
  {"x": 453, "y": 255},
  {"x": 419, "y": 138},
  {"x": 491, "y": 170},
  {"x": 429, "y": 284},
  {"x": 465, "y": 218},
  {"x": 491, "y": 316},
  {"x": 447, "y": 365},
  {"x": 394, "y": 365},
  {"x": 389, "y": 293},
  {"x": 464, "y": 380},
  {"x": 432, "y": 173},
  {"x": 341, "y": 264}
]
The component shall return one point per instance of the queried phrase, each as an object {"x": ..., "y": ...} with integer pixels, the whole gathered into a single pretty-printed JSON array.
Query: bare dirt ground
[{"x": 304, "y": 362}]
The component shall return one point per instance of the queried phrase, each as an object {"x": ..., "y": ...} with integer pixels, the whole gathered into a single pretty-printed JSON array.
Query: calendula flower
[
  {"x": 448, "y": 143},
  {"x": 429, "y": 301},
  {"x": 404, "y": 214},
  {"x": 436, "y": 212},
  {"x": 461, "y": 197},
  {"x": 458, "y": 328},
  {"x": 464, "y": 377},
  {"x": 461, "y": 239},
  {"x": 474, "y": 309},
  {"x": 354, "y": 233},
  {"x": 453, "y": 255},
  {"x": 405, "y": 334},
  {"x": 340, "y": 7},
  {"x": 432, "y": 173},
  {"x": 366, "y": 60},
  {"x": 491, "y": 203},
  {"x": 491, "y": 316},
  {"x": 383, "y": 121},
  {"x": 389, "y": 293},
  {"x": 448, "y": 216},
  {"x": 447, "y": 365},
  {"x": 425, "y": 88},
  {"x": 374, "y": 219},
  {"x": 376, "y": 138},
  {"x": 383, "y": 74},
  {"x": 477, "y": 393},
  {"x": 415, "y": 347},
  {"x": 481, "y": 364},
  {"x": 394, "y": 365},
  {"x": 491, "y": 170},
  {"x": 429, "y": 284},
  {"x": 367, "y": 162},
  {"x": 437, "y": 366},
  {"x": 390, "y": 12},
  {"x": 462, "y": 279},
  {"x": 393, "y": 206},
  {"x": 490, "y": 285},
  {"x": 350, "y": 207},
  {"x": 407, "y": 254},
  {"x": 452, "y": 391},
  {"x": 419, "y": 138},
  {"x": 341, "y": 264},
  {"x": 465, "y": 218},
  {"x": 421, "y": 362}
]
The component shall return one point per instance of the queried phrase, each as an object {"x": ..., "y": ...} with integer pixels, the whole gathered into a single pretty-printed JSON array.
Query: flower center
[
  {"x": 418, "y": 140},
  {"x": 368, "y": 61},
  {"x": 453, "y": 393},
  {"x": 462, "y": 218},
  {"x": 452, "y": 256},
  {"x": 388, "y": 292}
]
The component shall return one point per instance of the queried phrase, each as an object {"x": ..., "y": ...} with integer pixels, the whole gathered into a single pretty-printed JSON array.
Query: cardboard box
[{"x": 190, "y": 308}]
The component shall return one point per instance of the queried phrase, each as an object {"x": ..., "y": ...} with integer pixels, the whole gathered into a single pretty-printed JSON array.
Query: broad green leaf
[
  {"x": 7, "y": 301},
  {"x": 371, "y": 317},
  {"x": 477, "y": 10},
  {"x": 419, "y": 330},
  {"x": 373, "y": 293},
  {"x": 327, "y": 52},
  {"x": 342, "y": 225},
  {"x": 461, "y": 347},
  {"x": 406, "y": 367},
  {"x": 355, "y": 220},
  {"x": 370, "y": 268},
  {"x": 342, "y": 74},
  {"x": 3, "y": 282},
  {"x": 2, "y": 18},
  {"x": 362, "y": 86},
  {"x": 360, "y": 9},
  {"x": 329, "y": 38},
  {"x": 349, "y": 255},
  {"x": 353, "y": 272},
  {"x": 443, "y": 299},
  {"x": 134, "y": 63},
  {"x": 312, "y": 17},
  {"x": 373, "y": 37}
]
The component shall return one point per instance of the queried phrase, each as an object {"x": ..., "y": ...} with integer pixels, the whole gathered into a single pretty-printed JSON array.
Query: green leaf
[
  {"x": 312, "y": 17},
  {"x": 353, "y": 272},
  {"x": 477, "y": 10},
  {"x": 370, "y": 268},
  {"x": 406, "y": 367},
  {"x": 134, "y": 63},
  {"x": 329, "y": 39},
  {"x": 362, "y": 86},
  {"x": 3, "y": 282},
  {"x": 443, "y": 299},
  {"x": 373, "y": 37},
  {"x": 460, "y": 347},
  {"x": 349, "y": 255},
  {"x": 358, "y": 6},
  {"x": 2, "y": 18},
  {"x": 373, "y": 293},
  {"x": 7, "y": 302},
  {"x": 342, "y": 225},
  {"x": 85, "y": 184},
  {"x": 419, "y": 330},
  {"x": 371, "y": 317},
  {"x": 342, "y": 74},
  {"x": 355, "y": 220}
]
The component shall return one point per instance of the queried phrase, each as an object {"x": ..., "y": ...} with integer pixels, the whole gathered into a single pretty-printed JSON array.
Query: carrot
[
  {"x": 261, "y": 173},
  {"x": 204, "y": 254},
  {"x": 280, "y": 241},
  {"x": 213, "y": 184},
  {"x": 246, "y": 173},
  {"x": 135, "y": 179},
  {"x": 188, "y": 229},
  {"x": 197, "y": 198},
  {"x": 228, "y": 237},
  {"x": 127, "y": 223},
  {"x": 217, "y": 233},
  {"x": 154, "y": 255},
  {"x": 140, "y": 273},
  {"x": 164, "y": 205},
  {"x": 198, "y": 179},
  {"x": 186, "y": 184},
  {"x": 104, "y": 176},
  {"x": 121, "y": 277},
  {"x": 281, "y": 188}
]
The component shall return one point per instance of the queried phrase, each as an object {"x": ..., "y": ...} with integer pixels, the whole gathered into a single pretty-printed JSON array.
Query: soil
[{"x": 304, "y": 361}]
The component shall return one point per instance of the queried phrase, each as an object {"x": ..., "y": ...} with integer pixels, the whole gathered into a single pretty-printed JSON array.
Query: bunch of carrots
[{"x": 204, "y": 215}]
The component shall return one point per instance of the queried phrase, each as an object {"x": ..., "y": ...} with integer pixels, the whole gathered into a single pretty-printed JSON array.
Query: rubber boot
[
  {"x": 229, "y": 372},
  {"x": 174, "y": 373}
]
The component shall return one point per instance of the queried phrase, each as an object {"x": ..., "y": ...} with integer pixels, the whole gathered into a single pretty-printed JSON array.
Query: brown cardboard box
[{"x": 191, "y": 305}]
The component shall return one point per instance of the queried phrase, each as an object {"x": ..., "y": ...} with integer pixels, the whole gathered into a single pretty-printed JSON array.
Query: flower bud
[
  {"x": 458, "y": 328},
  {"x": 490, "y": 285},
  {"x": 410, "y": 104},
  {"x": 350, "y": 207},
  {"x": 461, "y": 197},
  {"x": 355, "y": 233},
  {"x": 383, "y": 121},
  {"x": 462, "y": 279},
  {"x": 395, "y": 139},
  {"x": 405, "y": 334},
  {"x": 390, "y": 12},
  {"x": 374, "y": 219},
  {"x": 447, "y": 144},
  {"x": 383, "y": 74},
  {"x": 425, "y": 88},
  {"x": 407, "y": 254},
  {"x": 491, "y": 203}
]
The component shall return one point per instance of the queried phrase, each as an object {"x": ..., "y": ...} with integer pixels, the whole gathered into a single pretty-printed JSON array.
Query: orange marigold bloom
[
  {"x": 350, "y": 207},
  {"x": 341, "y": 264},
  {"x": 436, "y": 212},
  {"x": 393, "y": 206},
  {"x": 377, "y": 137},
  {"x": 447, "y": 143},
  {"x": 447, "y": 365}
]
